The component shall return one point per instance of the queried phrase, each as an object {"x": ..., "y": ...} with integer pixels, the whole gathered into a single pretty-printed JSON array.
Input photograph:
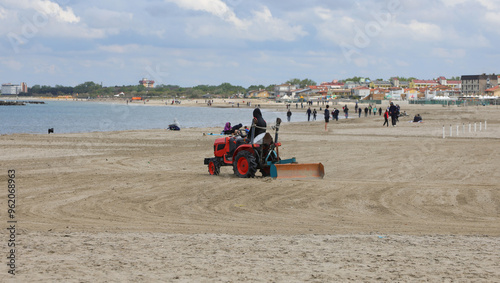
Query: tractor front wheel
[
  {"x": 214, "y": 167},
  {"x": 244, "y": 165}
]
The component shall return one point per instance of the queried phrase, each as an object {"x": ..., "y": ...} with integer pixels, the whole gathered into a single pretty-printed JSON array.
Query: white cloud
[
  {"x": 3, "y": 13},
  {"x": 120, "y": 48},
  {"x": 492, "y": 21},
  {"x": 334, "y": 26},
  {"x": 53, "y": 9},
  {"x": 263, "y": 26},
  {"x": 214, "y": 7},
  {"x": 453, "y": 3},
  {"x": 260, "y": 27},
  {"x": 424, "y": 31}
]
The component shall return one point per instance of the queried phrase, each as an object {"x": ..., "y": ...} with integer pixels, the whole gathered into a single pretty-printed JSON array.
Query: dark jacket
[
  {"x": 393, "y": 111},
  {"x": 261, "y": 123}
]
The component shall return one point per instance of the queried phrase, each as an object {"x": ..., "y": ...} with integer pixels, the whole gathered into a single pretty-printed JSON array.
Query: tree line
[{"x": 93, "y": 90}]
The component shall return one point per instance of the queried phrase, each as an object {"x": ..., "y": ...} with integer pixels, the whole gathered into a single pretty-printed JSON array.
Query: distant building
[
  {"x": 284, "y": 90},
  {"x": 361, "y": 91},
  {"x": 423, "y": 83},
  {"x": 11, "y": 89},
  {"x": 478, "y": 84},
  {"x": 24, "y": 87},
  {"x": 494, "y": 91},
  {"x": 380, "y": 84},
  {"x": 147, "y": 83},
  {"x": 335, "y": 84},
  {"x": 261, "y": 93}
]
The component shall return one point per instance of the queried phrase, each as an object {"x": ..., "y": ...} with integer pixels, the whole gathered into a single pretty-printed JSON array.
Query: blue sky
[{"x": 192, "y": 42}]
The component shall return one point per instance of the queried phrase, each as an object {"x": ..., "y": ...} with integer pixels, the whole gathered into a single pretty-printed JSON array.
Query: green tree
[
  {"x": 301, "y": 83},
  {"x": 87, "y": 87}
]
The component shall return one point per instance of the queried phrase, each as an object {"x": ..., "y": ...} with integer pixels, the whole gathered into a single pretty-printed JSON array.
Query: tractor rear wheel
[
  {"x": 244, "y": 165},
  {"x": 214, "y": 167}
]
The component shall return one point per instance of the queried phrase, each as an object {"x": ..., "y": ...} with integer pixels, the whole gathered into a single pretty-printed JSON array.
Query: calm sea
[{"x": 80, "y": 116}]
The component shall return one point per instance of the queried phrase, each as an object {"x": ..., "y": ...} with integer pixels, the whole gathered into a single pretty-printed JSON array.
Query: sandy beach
[{"x": 397, "y": 204}]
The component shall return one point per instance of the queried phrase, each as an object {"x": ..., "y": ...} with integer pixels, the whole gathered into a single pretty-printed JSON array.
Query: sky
[{"x": 193, "y": 42}]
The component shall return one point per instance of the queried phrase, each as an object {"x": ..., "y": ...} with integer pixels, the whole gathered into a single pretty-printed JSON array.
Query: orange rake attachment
[{"x": 298, "y": 171}]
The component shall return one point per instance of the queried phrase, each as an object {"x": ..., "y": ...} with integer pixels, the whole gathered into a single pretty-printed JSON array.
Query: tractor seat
[{"x": 264, "y": 138}]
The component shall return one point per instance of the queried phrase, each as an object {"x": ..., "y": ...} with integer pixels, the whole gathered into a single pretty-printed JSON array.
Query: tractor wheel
[
  {"x": 244, "y": 165},
  {"x": 214, "y": 167}
]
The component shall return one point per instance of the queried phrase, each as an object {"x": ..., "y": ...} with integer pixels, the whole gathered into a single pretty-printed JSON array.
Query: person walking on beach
[
  {"x": 374, "y": 110},
  {"x": 366, "y": 111},
  {"x": 335, "y": 114},
  {"x": 288, "y": 115},
  {"x": 370, "y": 109},
  {"x": 356, "y": 107},
  {"x": 314, "y": 114},
  {"x": 393, "y": 112},
  {"x": 346, "y": 111},
  {"x": 359, "y": 111},
  {"x": 327, "y": 117},
  {"x": 380, "y": 111},
  {"x": 386, "y": 118},
  {"x": 309, "y": 112}
]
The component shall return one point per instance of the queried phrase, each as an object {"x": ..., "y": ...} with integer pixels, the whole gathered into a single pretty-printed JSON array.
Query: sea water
[{"x": 82, "y": 116}]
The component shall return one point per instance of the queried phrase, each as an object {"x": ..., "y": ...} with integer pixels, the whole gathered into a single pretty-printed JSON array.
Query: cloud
[
  {"x": 492, "y": 20},
  {"x": 261, "y": 26},
  {"x": 421, "y": 31},
  {"x": 3, "y": 13},
  {"x": 53, "y": 9},
  {"x": 120, "y": 48},
  {"x": 214, "y": 7}
]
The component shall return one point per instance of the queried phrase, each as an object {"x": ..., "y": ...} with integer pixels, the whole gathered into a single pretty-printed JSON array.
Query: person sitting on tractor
[
  {"x": 236, "y": 128},
  {"x": 241, "y": 137},
  {"x": 260, "y": 125}
]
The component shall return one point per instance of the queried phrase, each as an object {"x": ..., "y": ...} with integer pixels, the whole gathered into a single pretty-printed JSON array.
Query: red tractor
[{"x": 249, "y": 154}]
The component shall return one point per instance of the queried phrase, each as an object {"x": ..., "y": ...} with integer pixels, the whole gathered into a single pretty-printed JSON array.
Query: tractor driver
[{"x": 260, "y": 126}]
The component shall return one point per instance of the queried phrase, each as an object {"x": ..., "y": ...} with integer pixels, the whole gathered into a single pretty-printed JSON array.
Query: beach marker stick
[
  {"x": 475, "y": 127},
  {"x": 485, "y": 125},
  {"x": 443, "y": 132},
  {"x": 480, "y": 126},
  {"x": 457, "y": 130},
  {"x": 463, "y": 128},
  {"x": 450, "y": 131}
]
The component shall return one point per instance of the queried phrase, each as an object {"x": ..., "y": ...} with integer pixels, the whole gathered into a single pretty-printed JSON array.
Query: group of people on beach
[{"x": 392, "y": 111}]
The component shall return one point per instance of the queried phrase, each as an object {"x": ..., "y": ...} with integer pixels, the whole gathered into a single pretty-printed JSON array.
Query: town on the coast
[{"x": 481, "y": 88}]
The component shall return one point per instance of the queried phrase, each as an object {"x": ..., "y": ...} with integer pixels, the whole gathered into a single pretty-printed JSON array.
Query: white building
[
  {"x": 284, "y": 90},
  {"x": 10, "y": 89},
  {"x": 395, "y": 93},
  {"x": 361, "y": 92}
]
